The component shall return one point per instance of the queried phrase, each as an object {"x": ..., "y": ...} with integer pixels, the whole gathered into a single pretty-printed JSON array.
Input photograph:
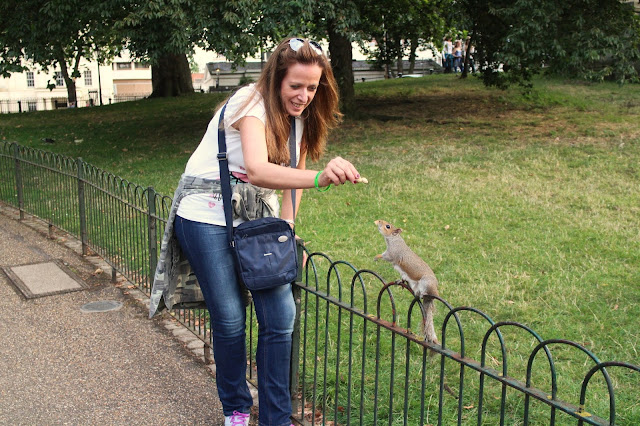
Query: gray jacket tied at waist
[{"x": 174, "y": 283}]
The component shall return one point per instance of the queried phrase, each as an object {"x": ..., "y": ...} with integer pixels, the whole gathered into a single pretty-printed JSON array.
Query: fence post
[
  {"x": 19, "y": 191},
  {"x": 153, "y": 236},
  {"x": 81, "y": 207},
  {"x": 294, "y": 376}
]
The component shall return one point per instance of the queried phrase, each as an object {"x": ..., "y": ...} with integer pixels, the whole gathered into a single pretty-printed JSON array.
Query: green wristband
[{"x": 316, "y": 183}]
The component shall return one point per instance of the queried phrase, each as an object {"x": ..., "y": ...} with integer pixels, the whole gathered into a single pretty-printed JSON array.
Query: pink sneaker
[{"x": 237, "y": 419}]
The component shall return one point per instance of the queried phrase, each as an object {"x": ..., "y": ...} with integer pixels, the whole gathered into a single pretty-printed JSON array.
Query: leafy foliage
[
  {"x": 586, "y": 39},
  {"x": 163, "y": 31},
  {"x": 514, "y": 40},
  {"x": 54, "y": 33},
  {"x": 399, "y": 27}
]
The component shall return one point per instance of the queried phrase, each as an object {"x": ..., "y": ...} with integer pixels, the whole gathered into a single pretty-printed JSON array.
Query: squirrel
[{"x": 412, "y": 269}]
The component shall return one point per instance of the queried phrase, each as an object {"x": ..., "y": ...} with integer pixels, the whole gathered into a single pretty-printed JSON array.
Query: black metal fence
[
  {"x": 358, "y": 355},
  {"x": 9, "y": 106}
]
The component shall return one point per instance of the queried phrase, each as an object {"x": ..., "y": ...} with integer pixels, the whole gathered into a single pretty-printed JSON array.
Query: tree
[
  {"x": 161, "y": 33},
  {"x": 164, "y": 32},
  {"x": 586, "y": 39},
  {"x": 338, "y": 21},
  {"x": 343, "y": 22},
  {"x": 53, "y": 33},
  {"x": 340, "y": 51},
  {"x": 399, "y": 27}
]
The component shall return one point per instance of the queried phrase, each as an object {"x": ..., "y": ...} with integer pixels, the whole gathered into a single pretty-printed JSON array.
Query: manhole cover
[
  {"x": 101, "y": 306},
  {"x": 44, "y": 279}
]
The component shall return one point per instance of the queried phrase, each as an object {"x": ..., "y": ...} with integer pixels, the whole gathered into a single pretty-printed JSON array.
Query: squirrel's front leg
[{"x": 383, "y": 256}]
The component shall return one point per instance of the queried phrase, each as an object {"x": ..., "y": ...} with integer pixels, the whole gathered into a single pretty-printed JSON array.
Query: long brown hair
[{"x": 321, "y": 115}]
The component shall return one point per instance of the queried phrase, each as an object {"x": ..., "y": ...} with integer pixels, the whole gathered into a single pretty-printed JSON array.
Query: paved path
[{"x": 59, "y": 365}]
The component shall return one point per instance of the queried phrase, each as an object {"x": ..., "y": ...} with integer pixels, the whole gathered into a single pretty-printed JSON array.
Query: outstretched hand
[{"x": 338, "y": 171}]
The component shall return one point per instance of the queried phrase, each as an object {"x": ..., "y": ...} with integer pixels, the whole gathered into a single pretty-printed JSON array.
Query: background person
[
  {"x": 447, "y": 55},
  {"x": 457, "y": 57}
]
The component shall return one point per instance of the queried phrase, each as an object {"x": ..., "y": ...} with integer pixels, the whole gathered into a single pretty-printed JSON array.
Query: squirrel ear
[{"x": 397, "y": 231}]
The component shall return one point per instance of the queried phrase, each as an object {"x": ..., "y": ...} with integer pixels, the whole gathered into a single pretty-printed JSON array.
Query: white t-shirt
[
  {"x": 207, "y": 208},
  {"x": 448, "y": 47}
]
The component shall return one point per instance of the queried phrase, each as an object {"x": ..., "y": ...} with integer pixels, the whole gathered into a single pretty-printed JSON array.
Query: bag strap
[
  {"x": 293, "y": 161},
  {"x": 225, "y": 180}
]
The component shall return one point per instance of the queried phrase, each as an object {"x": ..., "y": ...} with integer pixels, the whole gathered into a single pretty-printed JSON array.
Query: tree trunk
[
  {"x": 399, "y": 62},
  {"x": 341, "y": 56},
  {"x": 71, "y": 93},
  {"x": 412, "y": 55},
  {"x": 171, "y": 76},
  {"x": 72, "y": 99},
  {"x": 465, "y": 66},
  {"x": 467, "y": 54}
]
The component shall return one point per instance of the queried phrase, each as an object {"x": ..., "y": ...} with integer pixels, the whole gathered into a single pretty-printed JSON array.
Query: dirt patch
[{"x": 439, "y": 107}]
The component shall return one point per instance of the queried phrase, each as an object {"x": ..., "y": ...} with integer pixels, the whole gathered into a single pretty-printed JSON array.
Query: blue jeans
[
  {"x": 457, "y": 63},
  {"x": 448, "y": 63},
  {"x": 207, "y": 249}
]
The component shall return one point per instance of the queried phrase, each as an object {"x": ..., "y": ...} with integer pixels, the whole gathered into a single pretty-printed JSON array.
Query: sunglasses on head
[{"x": 297, "y": 43}]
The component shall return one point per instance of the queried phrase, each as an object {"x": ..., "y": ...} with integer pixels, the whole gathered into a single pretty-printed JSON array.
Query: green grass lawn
[{"x": 527, "y": 208}]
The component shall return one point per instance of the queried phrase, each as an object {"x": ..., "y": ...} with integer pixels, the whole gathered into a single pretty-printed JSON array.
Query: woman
[
  {"x": 457, "y": 57},
  {"x": 297, "y": 81},
  {"x": 447, "y": 55}
]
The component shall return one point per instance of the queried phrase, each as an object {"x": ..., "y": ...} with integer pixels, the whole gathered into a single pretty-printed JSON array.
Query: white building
[
  {"x": 29, "y": 91},
  {"x": 123, "y": 79},
  {"x": 130, "y": 79}
]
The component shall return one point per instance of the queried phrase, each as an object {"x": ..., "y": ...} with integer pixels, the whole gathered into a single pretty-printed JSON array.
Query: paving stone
[{"x": 196, "y": 344}]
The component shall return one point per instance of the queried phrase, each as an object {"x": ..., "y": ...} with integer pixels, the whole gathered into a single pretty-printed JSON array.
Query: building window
[
  {"x": 32, "y": 106},
  {"x": 123, "y": 65},
  {"x": 31, "y": 81},
  {"x": 88, "y": 81},
  {"x": 59, "y": 80},
  {"x": 141, "y": 66}
]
